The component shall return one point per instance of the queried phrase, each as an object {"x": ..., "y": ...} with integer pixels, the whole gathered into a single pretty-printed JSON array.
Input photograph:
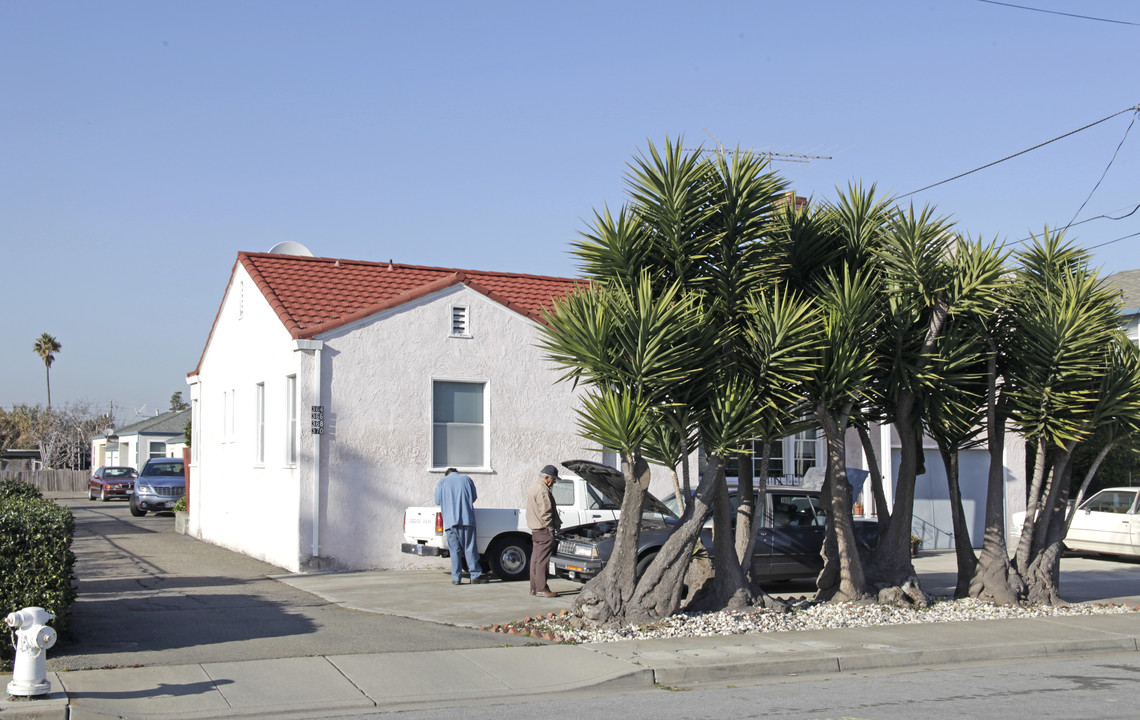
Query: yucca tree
[
  {"x": 930, "y": 277},
  {"x": 632, "y": 347},
  {"x": 842, "y": 377},
  {"x": 46, "y": 347},
  {"x": 701, "y": 226},
  {"x": 830, "y": 251},
  {"x": 1065, "y": 327}
]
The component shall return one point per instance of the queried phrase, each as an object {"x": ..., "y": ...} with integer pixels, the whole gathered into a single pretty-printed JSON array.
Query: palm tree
[{"x": 46, "y": 347}]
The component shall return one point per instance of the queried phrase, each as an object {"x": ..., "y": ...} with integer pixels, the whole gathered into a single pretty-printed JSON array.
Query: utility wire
[
  {"x": 1098, "y": 182},
  {"x": 1055, "y": 12},
  {"x": 1135, "y": 108},
  {"x": 1093, "y": 247},
  {"x": 1128, "y": 214}
]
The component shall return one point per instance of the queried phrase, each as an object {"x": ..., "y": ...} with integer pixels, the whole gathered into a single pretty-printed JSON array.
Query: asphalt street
[{"x": 150, "y": 596}]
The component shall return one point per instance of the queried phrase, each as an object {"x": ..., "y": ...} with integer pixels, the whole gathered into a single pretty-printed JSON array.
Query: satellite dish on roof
[{"x": 291, "y": 248}]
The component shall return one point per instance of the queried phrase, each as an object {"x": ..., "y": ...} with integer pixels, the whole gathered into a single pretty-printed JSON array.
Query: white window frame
[
  {"x": 259, "y": 430},
  {"x": 486, "y": 384},
  {"x": 292, "y": 442}
]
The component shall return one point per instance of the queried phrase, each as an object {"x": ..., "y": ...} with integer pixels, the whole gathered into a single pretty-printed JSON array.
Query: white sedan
[{"x": 1107, "y": 523}]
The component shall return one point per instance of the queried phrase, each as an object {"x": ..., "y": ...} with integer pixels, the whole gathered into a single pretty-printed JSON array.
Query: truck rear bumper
[{"x": 422, "y": 550}]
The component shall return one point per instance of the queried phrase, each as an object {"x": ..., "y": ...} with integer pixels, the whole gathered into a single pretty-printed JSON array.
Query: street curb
[{"x": 851, "y": 662}]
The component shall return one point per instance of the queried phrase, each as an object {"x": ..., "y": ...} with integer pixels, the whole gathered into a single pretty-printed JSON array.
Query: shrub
[
  {"x": 11, "y": 487},
  {"x": 36, "y": 561},
  {"x": 181, "y": 506}
]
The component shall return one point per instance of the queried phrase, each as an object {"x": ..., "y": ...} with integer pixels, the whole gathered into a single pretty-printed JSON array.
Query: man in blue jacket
[{"x": 455, "y": 494}]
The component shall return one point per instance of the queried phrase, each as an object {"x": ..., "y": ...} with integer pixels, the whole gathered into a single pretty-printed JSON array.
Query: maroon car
[{"x": 108, "y": 482}]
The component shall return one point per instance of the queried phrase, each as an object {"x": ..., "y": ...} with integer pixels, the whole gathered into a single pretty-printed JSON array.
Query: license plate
[{"x": 552, "y": 571}]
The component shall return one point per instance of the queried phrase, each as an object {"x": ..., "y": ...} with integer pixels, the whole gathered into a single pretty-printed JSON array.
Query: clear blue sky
[{"x": 143, "y": 144}]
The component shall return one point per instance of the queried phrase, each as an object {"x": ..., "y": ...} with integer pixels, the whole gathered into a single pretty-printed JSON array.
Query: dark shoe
[
  {"x": 455, "y": 582},
  {"x": 482, "y": 579},
  {"x": 546, "y": 593}
]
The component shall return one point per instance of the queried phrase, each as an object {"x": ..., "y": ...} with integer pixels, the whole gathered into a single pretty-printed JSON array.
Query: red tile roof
[{"x": 313, "y": 295}]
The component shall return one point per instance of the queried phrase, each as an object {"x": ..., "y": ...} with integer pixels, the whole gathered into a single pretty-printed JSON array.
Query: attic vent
[{"x": 459, "y": 321}]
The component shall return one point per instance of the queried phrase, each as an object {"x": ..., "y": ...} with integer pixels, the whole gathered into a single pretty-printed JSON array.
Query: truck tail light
[{"x": 439, "y": 523}]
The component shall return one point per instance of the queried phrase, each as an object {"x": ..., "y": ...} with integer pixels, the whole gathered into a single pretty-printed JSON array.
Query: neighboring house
[
  {"x": 1128, "y": 282},
  {"x": 160, "y": 436},
  {"x": 404, "y": 370},
  {"x": 14, "y": 460}
]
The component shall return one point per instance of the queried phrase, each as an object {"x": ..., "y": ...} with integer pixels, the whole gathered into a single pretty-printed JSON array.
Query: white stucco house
[{"x": 405, "y": 371}]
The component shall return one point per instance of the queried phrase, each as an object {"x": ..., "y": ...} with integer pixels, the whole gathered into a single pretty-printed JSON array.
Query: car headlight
[
  {"x": 581, "y": 550},
  {"x": 144, "y": 488}
]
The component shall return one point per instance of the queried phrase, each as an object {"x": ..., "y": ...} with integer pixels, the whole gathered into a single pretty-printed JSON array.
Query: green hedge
[{"x": 36, "y": 562}]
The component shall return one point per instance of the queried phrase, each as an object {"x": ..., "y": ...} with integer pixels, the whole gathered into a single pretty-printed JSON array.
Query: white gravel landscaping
[{"x": 808, "y": 616}]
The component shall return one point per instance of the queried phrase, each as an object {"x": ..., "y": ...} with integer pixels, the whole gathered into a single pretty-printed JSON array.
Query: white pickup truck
[{"x": 501, "y": 534}]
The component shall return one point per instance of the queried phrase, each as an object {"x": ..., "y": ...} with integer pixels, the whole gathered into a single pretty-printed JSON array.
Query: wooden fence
[{"x": 53, "y": 480}]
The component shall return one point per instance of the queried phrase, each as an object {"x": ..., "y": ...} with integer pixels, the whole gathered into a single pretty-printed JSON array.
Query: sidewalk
[{"x": 350, "y": 684}]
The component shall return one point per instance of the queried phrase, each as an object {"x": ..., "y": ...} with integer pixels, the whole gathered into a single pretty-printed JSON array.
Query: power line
[
  {"x": 1055, "y": 12},
  {"x": 1093, "y": 247},
  {"x": 1135, "y": 108},
  {"x": 1128, "y": 214},
  {"x": 1098, "y": 182}
]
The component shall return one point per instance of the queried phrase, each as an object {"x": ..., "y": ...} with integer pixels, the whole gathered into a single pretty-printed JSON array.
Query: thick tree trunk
[
  {"x": 746, "y": 507},
  {"x": 994, "y": 579},
  {"x": 851, "y": 583},
  {"x": 658, "y": 592},
  {"x": 605, "y": 598},
  {"x": 891, "y": 565},
  {"x": 963, "y": 548},
  {"x": 1032, "y": 510},
  {"x": 758, "y": 517},
  {"x": 1043, "y": 574},
  {"x": 730, "y": 587}
]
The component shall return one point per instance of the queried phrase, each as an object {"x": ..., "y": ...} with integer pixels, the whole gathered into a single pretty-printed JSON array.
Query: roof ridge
[{"x": 382, "y": 264}]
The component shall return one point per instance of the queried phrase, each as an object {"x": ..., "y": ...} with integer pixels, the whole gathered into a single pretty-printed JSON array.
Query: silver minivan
[{"x": 159, "y": 485}]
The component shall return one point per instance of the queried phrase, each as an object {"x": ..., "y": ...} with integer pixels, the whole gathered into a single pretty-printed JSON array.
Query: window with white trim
[
  {"x": 291, "y": 420},
  {"x": 156, "y": 449},
  {"x": 459, "y": 428},
  {"x": 806, "y": 443},
  {"x": 259, "y": 430}
]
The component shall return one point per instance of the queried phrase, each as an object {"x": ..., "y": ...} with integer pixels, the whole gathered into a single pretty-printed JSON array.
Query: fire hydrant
[{"x": 33, "y": 638}]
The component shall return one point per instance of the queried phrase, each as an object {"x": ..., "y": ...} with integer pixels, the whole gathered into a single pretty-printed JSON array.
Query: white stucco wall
[
  {"x": 235, "y": 501},
  {"x": 377, "y": 393}
]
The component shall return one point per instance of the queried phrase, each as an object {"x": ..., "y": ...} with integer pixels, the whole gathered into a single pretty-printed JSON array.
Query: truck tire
[{"x": 509, "y": 557}]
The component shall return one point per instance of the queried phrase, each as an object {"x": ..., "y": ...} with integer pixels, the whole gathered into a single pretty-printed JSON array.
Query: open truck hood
[{"x": 612, "y": 483}]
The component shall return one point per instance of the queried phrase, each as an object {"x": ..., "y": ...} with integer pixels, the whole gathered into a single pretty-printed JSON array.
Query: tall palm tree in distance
[{"x": 46, "y": 347}]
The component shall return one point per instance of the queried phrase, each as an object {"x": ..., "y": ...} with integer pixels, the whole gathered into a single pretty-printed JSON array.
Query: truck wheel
[
  {"x": 509, "y": 558},
  {"x": 135, "y": 510}
]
